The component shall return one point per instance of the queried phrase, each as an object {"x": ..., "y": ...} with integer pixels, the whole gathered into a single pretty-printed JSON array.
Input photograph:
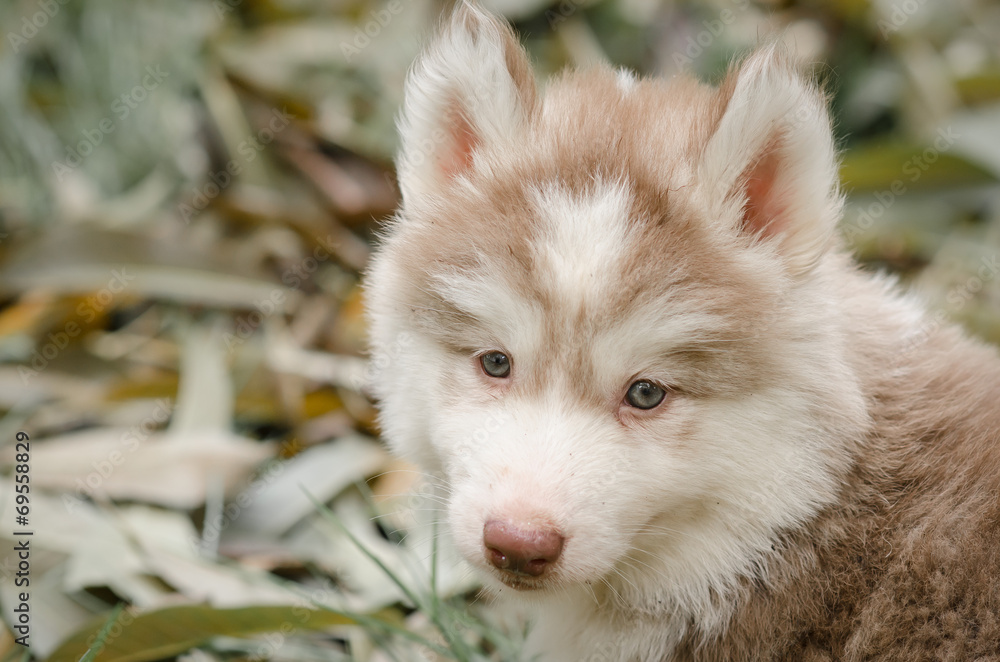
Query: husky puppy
[{"x": 675, "y": 420}]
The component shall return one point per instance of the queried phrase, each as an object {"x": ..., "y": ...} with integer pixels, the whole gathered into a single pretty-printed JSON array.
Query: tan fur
[{"x": 904, "y": 564}]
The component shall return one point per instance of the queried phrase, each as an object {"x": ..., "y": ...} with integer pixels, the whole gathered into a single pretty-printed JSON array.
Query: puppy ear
[
  {"x": 473, "y": 87},
  {"x": 771, "y": 162}
]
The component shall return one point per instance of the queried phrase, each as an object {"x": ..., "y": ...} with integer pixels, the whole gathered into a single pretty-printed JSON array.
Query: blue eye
[
  {"x": 644, "y": 394},
  {"x": 495, "y": 364}
]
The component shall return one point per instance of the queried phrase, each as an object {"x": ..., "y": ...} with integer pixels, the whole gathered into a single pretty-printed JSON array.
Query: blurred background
[{"x": 189, "y": 191}]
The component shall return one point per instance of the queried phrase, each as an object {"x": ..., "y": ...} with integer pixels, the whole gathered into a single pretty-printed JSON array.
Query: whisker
[
  {"x": 656, "y": 571},
  {"x": 654, "y": 528},
  {"x": 408, "y": 510},
  {"x": 436, "y": 481},
  {"x": 626, "y": 579},
  {"x": 617, "y": 595}
]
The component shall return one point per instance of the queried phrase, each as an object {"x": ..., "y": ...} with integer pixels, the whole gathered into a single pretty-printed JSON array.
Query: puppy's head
[{"x": 605, "y": 314}]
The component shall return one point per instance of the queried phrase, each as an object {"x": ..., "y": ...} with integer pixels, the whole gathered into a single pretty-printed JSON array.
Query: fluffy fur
[{"x": 821, "y": 481}]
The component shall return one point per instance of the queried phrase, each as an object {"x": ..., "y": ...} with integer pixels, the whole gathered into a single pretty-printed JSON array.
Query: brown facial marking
[{"x": 490, "y": 218}]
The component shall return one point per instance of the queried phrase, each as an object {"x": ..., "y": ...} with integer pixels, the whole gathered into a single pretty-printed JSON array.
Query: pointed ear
[
  {"x": 471, "y": 88},
  {"x": 771, "y": 162}
]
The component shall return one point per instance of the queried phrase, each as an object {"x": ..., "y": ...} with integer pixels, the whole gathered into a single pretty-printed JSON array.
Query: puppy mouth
[
  {"x": 524, "y": 581},
  {"x": 520, "y": 582}
]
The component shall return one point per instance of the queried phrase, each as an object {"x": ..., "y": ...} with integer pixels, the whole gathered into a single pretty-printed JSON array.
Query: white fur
[
  {"x": 461, "y": 68},
  {"x": 772, "y": 102},
  {"x": 487, "y": 297},
  {"x": 627, "y": 80},
  {"x": 761, "y": 466},
  {"x": 584, "y": 237}
]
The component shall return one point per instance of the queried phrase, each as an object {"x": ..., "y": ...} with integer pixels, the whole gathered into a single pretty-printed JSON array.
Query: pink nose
[{"x": 528, "y": 550}]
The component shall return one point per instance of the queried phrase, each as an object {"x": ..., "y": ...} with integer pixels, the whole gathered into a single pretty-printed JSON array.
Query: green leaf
[
  {"x": 981, "y": 88},
  {"x": 172, "y": 631},
  {"x": 876, "y": 167}
]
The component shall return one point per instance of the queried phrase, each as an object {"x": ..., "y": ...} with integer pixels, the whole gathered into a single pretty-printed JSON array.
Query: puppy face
[{"x": 618, "y": 351}]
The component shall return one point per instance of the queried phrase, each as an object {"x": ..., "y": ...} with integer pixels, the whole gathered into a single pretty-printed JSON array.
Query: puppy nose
[{"x": 525, "y": 550}]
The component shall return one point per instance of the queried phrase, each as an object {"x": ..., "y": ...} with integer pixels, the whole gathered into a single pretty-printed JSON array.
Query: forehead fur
[{"x": 595, "y": 200}]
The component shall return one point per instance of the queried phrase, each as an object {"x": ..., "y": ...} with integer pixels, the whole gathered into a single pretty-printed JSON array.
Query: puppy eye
[
  {"x": 495, "y": 364},
  {"x": 644, "y": 394}
]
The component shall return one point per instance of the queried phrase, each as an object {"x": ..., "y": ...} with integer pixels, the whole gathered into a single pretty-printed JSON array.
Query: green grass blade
[{"x": 102, "y": 636}]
